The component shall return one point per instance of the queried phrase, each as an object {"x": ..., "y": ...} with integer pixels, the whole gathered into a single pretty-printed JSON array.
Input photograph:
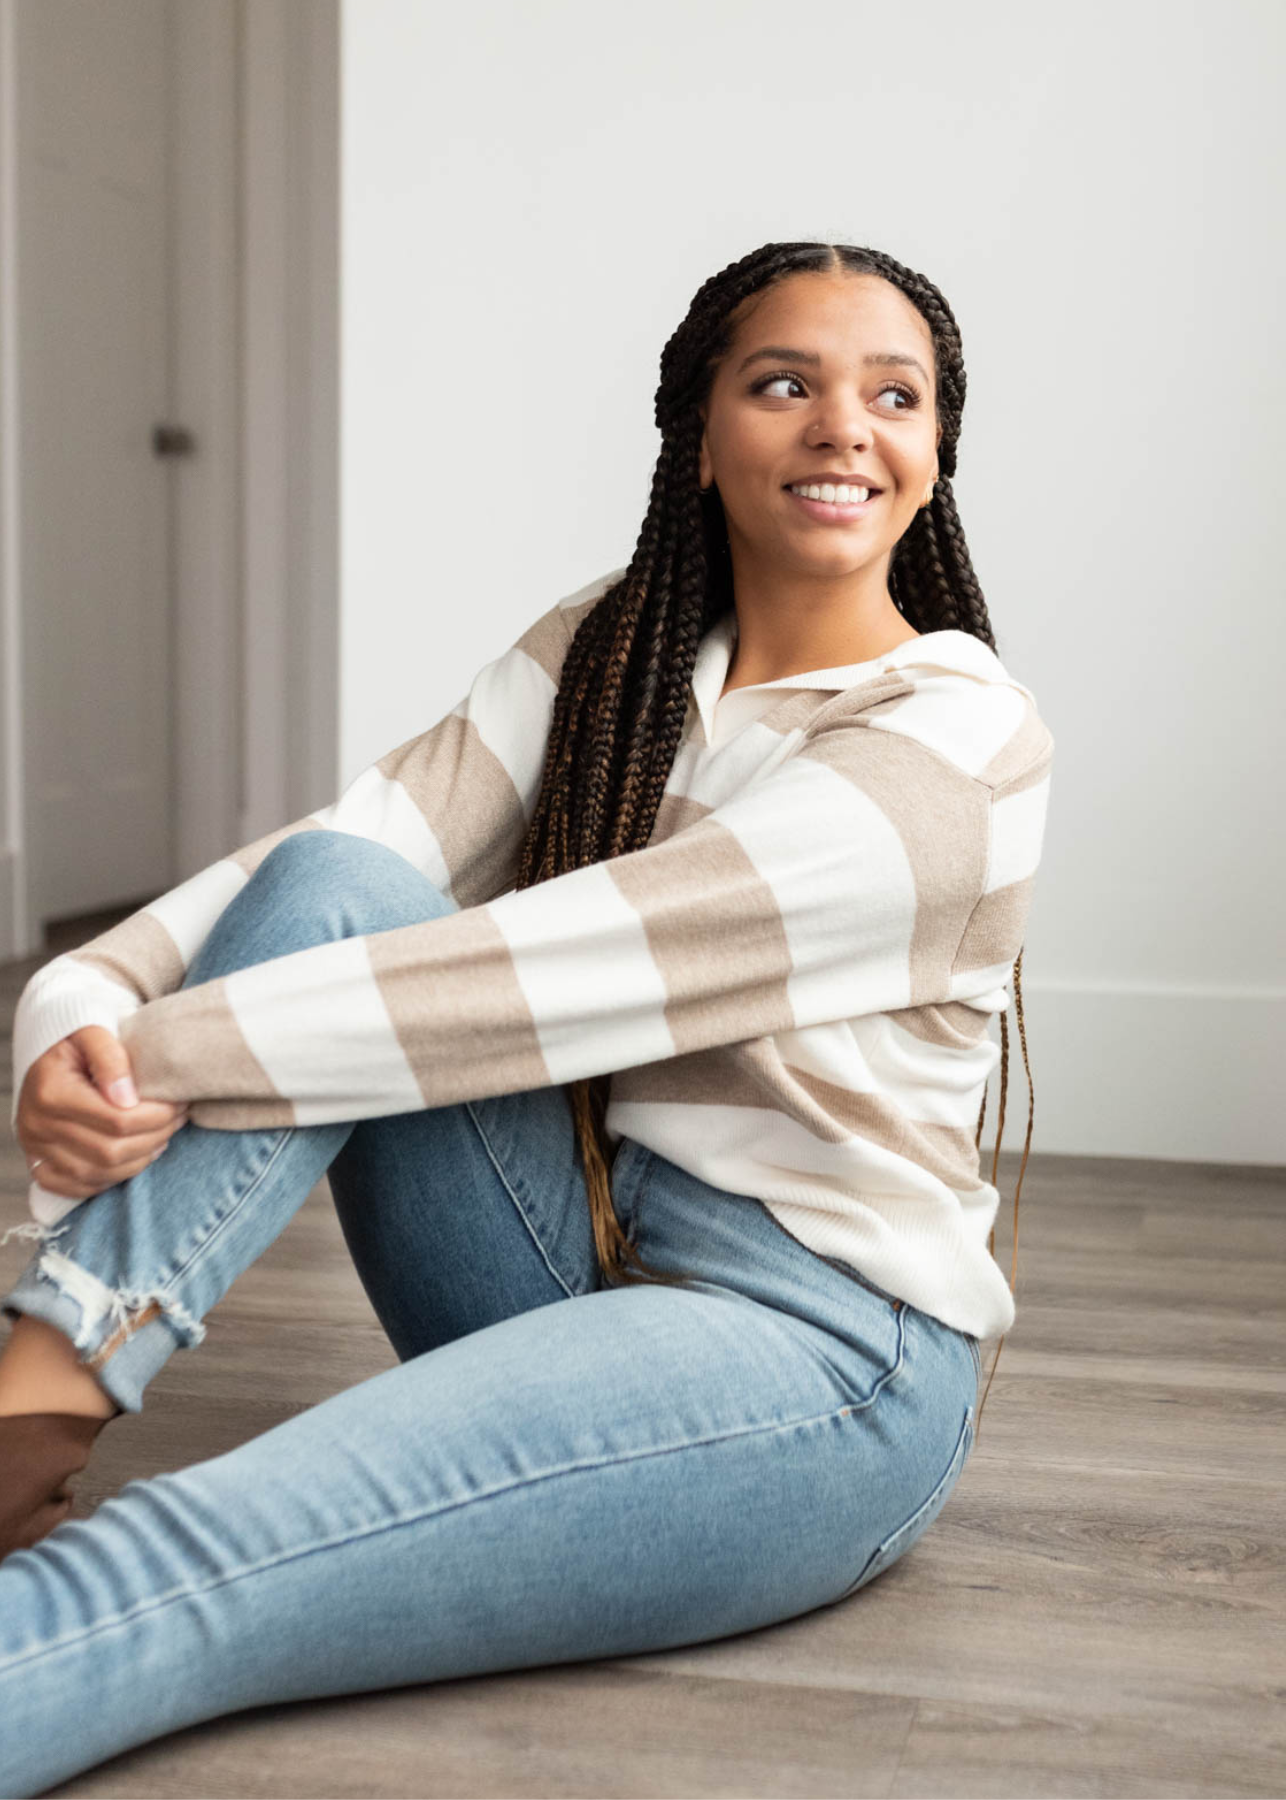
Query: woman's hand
[{"x": 87, "y": 1137}]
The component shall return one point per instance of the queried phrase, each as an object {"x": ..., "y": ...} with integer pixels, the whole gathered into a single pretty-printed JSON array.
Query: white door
[{"x": 95, "y": 500}]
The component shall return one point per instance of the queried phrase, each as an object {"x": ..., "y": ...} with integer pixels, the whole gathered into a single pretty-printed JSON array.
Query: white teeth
[{"x": 833, "y": 496}]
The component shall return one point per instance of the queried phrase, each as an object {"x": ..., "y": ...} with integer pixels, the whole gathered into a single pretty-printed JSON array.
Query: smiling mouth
[
  {"x": 834, "y": 511},
  {"x": 851, "y": 489}
]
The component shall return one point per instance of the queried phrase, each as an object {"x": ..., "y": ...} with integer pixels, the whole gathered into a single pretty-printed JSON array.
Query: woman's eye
[
  {"x": 908, "y": 394},
  {"x": 768, "y": 380}
]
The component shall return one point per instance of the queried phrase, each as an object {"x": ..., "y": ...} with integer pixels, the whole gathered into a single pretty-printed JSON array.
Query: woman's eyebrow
[{"x": 783, "y": 353}]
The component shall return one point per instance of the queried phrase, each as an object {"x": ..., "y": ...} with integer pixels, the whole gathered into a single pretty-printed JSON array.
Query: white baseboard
[{"x": 1187, "y": 1076}]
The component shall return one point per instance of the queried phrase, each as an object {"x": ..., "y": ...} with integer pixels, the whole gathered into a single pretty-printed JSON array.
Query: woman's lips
[{"x": 831, "y": 514}]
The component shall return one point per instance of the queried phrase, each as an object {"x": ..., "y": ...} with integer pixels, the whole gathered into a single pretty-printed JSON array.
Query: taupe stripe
[
  {"x": 139, "y": 953},
  {"x": 242, "y": 1115},
  {"x": 675, "y": 813},
  {"x": 458, "y": 973},
  {"x": 885, "y": 707},
  {"x": 468, "y": 798},
  {"x": 935, "y": 809},
  {"x": 952, "y": 1025},
  {"x": 753, "y": 1075},
  {"x": 228, "y": 1065},
  {"x": 947, "y": 1151},
  {"x": 994, "y": 934},
  {"x": 749, "y": 1074},
  {"x": 879, "y": 692},
  {"x": 751, "y": 963},
  {"x": 546, "y": 642},
  {"x": 795, "y": 712},
  {"x": 1023, "y": 761}
]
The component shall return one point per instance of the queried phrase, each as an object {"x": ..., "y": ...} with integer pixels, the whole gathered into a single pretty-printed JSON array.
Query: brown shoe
[{"x": 39, "y": 1453}]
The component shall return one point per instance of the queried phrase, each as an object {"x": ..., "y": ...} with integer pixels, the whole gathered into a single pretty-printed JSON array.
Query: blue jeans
[{"x": 557, "y": 1469}]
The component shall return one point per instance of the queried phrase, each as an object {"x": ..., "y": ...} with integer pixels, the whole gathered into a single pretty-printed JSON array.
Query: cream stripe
[
  {"x": 573, "y": 942},
  {"x": 1017, "y": 828},
  {"x": 380, "y": 806},
  {"x": 510, "y": 707},
  {"x": 292, "y": 1034},
  {"x": 986, "y": 987},
  {"x": 756, "y": 749},
  {"x": 968, "y": 734}
]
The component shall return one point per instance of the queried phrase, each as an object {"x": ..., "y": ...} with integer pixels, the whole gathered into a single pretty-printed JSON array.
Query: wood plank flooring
[{"x": 1099, "y": 1610}]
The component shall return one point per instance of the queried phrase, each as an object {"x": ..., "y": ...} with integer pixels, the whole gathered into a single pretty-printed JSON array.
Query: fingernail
[{"x": 122, "y": 1092}]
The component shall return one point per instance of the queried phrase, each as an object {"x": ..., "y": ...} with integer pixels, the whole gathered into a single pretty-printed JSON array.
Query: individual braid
[{"x": 624, "y": 690}]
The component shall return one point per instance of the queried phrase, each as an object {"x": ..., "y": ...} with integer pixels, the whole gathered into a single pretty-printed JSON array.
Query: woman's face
[{"x": 827, "y": 374}]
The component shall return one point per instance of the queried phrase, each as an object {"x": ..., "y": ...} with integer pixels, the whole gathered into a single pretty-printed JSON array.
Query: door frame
[{"x": 254, "y": 371}]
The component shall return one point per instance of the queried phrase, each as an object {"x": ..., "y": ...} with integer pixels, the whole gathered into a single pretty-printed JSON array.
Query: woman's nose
[{"x": 841, "y": 427}]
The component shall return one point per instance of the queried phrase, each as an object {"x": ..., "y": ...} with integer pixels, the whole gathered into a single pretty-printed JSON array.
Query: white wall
[{"x": 532, "y": 194}]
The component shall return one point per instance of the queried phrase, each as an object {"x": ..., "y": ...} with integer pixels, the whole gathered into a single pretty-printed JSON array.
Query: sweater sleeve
[
  {"x": 454, "y": 801},
  {"x": 839, "y": 883}
]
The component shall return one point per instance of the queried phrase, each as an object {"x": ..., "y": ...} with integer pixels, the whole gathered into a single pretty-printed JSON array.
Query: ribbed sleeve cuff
[{"x": 55, "y": 1003}]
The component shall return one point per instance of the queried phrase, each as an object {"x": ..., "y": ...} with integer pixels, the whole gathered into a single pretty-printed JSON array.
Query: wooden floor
[{"x": 1100, "y": 1608}]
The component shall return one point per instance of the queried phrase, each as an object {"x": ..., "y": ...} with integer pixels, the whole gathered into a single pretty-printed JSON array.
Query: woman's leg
[
  {"x": 626, "y": 1471},
  {"x": 450, "y": 1226}
]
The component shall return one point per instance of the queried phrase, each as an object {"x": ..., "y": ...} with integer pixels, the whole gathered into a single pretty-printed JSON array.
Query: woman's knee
[
  {"x": 311, "y": 888},
  {"x": 322, "y": 865}
]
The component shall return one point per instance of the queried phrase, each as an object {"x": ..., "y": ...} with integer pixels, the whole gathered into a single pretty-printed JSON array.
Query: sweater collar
[{"x": 958, "y": 651}]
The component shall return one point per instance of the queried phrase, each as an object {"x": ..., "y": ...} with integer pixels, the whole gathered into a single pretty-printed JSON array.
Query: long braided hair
[{"x": 623, "y": 692}]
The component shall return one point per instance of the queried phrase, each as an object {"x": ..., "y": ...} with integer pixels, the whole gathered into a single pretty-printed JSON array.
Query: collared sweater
[{"x": 791, "y": 985}]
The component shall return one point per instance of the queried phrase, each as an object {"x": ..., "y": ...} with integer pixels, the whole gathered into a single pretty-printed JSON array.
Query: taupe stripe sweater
[{"x": 790, "y": 984}]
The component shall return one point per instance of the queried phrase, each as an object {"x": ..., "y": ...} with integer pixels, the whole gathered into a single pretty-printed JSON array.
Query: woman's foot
[{"x": 39, "y": 1453}]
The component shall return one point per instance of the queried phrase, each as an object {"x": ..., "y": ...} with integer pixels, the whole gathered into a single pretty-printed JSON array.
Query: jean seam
[
  {"x": 521, "y": 1210},
  {"x": 964, "y": 1438},
  {"x": 588, "y": 1464},
  {"x": 225, "y": 1219}
]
